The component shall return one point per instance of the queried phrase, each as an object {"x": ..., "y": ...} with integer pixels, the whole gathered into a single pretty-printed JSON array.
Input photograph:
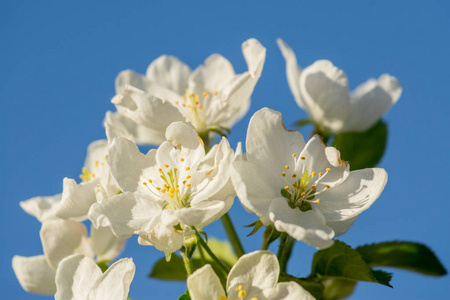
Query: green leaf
[
  {"x": 336, "y": 288},
  {"x": 382, "y": 277},
  {"x": 341, "y": 261},
  {"x": 303, "y": 122},
  {"x": 172, "y": 270},
  {"x": 404, "y": 255},
  {"x": 363, "y": 149},
  {"x": 185, "y": 296}
]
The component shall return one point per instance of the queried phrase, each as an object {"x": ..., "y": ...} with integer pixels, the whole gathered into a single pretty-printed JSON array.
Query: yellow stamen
[
  {"x": 222, "y": 297},
  {"x": 96, "y": 163},
  {"x": 320, "y": 174},
  {"x": 318, "y": 200},
  {"x": 187, "y": 169},
  {"x": 328, "y": 169},
  {"x": 150, "y": 181},
  {"x": 188, "y": 177},
  {"x": 188, "y": 185},
  {"x": 283, "y": 174},
  {"x": 286, "y": 187},
  {"x": 327, "y": 186},
  {"x": 302, "y": 157},
  {"x": 206, "y": 93},
  {"x": 166, "y": 165},
  {"x": 294, "y": 155},
  {"x": 144, "y": 183},
  {"x": 181, "y": 159},
  {"x": 294, "y": 175},
  {"x": 160, "y": 170},
  {"x": 313, "y": 173},
  {"x": 215, "y": 93},
  {"x": 286, "y": 167},
  {"x": 239, "y": 287},
  {"x": 313, "y": 187},
  {"x": 242, "y": 294}
]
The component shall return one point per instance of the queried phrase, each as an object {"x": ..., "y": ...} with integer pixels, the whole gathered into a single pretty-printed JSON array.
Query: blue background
[{"x": 58, "y": 63}]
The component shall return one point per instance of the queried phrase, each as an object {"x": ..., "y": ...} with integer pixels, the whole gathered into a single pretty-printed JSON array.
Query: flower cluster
[{"x": 300, "y": 190}]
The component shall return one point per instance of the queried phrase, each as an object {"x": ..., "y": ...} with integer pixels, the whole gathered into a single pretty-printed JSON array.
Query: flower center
[
  {"x": 174, "y": 190},
  {"x": 302, "y": 191},
  {"x": 88, "y": 175},
  {"x": 195, "y": 107}
]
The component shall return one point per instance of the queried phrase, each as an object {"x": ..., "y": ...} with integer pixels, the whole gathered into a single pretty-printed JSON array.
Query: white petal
[
  {"x": 62, "y": 238},
  {"x": 255, "y": 55},
  {"x": 127, "y": 164},
  {"x": 129, "y": 77},
  {"x": 341, "y": 227},
  {"x": 289, "y": 291},
  {"x": 269, "y": 143},
  {"x": 43, "y": 208},
  {"x": 203, "y": 213},
  {"x": 118, "y": 125},
  {"x": 216, "y": 72},
  {"x": 75, "y": 277},
  {"x": 255, "y": 271},
  {"x": 146, "y": 110},
  {"x": 371, "y": 100},
  {"x": 353, "y": 196},
  {"x": 170, "y": 72},
  {"x": 204, "y": 284},
  {"x": 114, "y": 284},
  {"x": 308, "y": 226},
  {"x": 96, "y": 154},
  {"x": 256, "y": 187},
  {"x": 124, "y": 213},
  {"x": 105, "y": 245},
  {"x": 324, "y": 90},
  {"x": 292, "y": 71},
  {"x": 163, "y": 237},
  {"x": 77, "y": 199},
  {"x": 34, "y": 274}
]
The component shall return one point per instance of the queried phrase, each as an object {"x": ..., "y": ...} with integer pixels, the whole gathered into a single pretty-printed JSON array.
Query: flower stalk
[
  {"x": 232, "y": 235},
  {"x": 205, "y": 246}
]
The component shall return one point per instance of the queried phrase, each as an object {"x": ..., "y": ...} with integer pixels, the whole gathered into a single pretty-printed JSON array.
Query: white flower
[
  {"x": 60, "y": 239},
  {"x": 305, "y": 190},
  {"x": 97, "y": 185},
  {"x": 322, "y": 91},
  {"x": 168, "y": 189},
  {"x": 253, "y": 277},
  {"x": 210, "y": 97},
  {"x": 79, "y": 278}
]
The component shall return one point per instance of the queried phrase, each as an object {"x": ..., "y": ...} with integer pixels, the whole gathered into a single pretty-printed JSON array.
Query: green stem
[
  {"x": 187, "y": 263},
  {"x": 284, "y": 251},
  {"x": 232, "y": 235},
  {"x": 203, "y": 244},
  {"x": 206, "y": 142}
]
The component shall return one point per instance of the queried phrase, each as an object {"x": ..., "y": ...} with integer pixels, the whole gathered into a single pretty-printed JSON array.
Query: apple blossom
[
  {"x": 253, "y": 277},
  {"x": 168, "y": 189},
  {"x": 211, "y": 98},
  {"x": 322, "y": 91},
  {"x": 79, "y": 278},
  {"x": 305, "y": 190}
]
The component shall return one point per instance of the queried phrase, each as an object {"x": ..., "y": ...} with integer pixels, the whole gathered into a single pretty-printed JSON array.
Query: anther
[
  {"x": 318, "y": 200},
  {"x": 294, "y": 155},
  {"x": 144, "y": 183},
  {"x": 320, "y": 174},
  {"x": 222, "y": 297},
  {"x": 327, "y": 186},
  {"x": 286, "y": 187},
  {"x": 283, "y": 174},
  {"x": 181, "y": 159},
  {"x": 160, "y": 170},
  {"x": 206, "y": 93},
  {"x": 286, "y": 167},
  {"x": 96, "y": 163},
  {"x": 188, "y": 177},
  {"x": 150, "y": 181},
  {"x": 313, "y": 187},
  {"x": 294, "y": 175},
  {"x": 239, "y": 287},
  {"x": 313, "y": 173},
  {"x": 328, "y": 169},
  {"x": 242, "y": 294},
  {"x": 215, "y": 93},
  {"x": 166, "y": 165},
  {"x": 188, "y": 185},
  {"x": 302, "y": 157},
  {"x": 187, "y": 169}
]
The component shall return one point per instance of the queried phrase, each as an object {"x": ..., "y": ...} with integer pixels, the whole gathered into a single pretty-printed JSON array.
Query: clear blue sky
[{"x": 58, "y": 62}]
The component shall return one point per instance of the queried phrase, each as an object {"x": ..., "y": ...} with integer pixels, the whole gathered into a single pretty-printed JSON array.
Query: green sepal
[
  {"x": 343, "y": 262},
  {"x": 257, "y": 225},
  {"x": 168, "y": 256},
  {"x": 285, "y": 194},
  {"x": 270, "y": 235},
  {"x": 222, "y": 131},
  {"x": 404, "y": 255},
  {"x": 185, "y": 296},
  {"x": 189, "y": 246},
  {"x": 363, "y": 149},
  {"x": 103, "y": 265}
]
